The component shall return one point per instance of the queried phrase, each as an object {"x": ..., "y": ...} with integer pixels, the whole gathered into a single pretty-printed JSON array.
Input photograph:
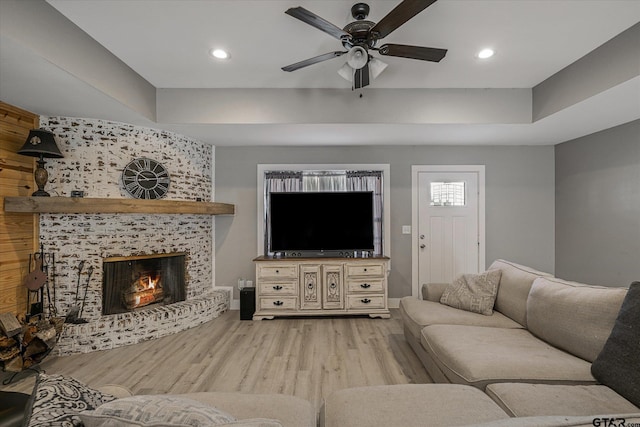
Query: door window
[{"x": 447, "y": 193}]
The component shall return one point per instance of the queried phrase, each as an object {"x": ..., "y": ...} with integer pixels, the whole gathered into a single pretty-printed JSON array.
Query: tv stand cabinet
[{"x": 321, "y": 286}]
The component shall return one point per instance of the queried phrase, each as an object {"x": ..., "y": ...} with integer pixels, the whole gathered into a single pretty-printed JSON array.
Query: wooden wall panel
[{"x": 18, "y": 231}]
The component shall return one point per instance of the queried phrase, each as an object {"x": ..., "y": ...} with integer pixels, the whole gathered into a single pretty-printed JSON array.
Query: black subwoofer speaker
[{"x": 247, "y": 303}]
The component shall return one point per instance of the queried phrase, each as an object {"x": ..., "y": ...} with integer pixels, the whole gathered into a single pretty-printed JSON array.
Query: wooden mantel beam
[{"x": 97, "y": 206}]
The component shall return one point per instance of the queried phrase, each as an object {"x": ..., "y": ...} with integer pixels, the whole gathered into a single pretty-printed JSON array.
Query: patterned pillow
[
  {"x": 473, "y": 292},
  {"x": 56, "y": 401},
  {"x": 155, "y": 411}
]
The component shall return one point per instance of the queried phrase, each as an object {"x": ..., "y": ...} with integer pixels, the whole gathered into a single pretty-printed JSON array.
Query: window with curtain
[{"x": 330, "y": 181}]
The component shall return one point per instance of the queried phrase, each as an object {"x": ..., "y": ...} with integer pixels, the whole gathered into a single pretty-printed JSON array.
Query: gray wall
[
  {"x": 598, "y": 207},
  {"x": 520, "y": 210}
]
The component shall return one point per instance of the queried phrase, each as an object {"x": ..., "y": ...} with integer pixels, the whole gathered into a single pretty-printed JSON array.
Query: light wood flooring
[{"x": 305, "y": 357}]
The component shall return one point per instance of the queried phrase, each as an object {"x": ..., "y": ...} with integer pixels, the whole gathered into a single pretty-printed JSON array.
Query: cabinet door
[
  {"x": 309, "y": 287},
  {"x": 333, "y": 289}
]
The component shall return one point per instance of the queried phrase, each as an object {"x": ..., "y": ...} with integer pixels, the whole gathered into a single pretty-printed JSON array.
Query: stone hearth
[{"x": 130, "y": 328}]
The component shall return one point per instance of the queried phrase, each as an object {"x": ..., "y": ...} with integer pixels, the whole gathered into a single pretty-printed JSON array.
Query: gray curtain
[
  {"x": 370, "y": 181},
  {"x": 319, "y": 181}
]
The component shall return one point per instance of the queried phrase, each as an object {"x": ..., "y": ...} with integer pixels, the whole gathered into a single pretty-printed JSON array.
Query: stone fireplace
[
  {"x": 95, "y": 153},
  {"x": 138, "y": 282}
]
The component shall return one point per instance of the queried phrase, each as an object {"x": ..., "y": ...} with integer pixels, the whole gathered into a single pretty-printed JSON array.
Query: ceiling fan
[{"x": 361, "y": 37}]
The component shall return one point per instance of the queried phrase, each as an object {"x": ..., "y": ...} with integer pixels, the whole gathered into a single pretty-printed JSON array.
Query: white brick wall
[{"x": 95, "y": 153}]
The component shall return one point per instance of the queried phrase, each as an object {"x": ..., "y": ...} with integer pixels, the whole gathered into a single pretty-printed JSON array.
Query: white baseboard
[
  {"x": 234, "y": 304},
  {"x": 394, "y": 302}
]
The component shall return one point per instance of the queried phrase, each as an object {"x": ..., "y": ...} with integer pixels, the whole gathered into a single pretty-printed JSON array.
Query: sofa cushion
[
  {"x": 290, "y": 411},
  {"x": 574, "y": 317},
  {"x": 527, "y": 400},
  {"x": 408, "y": 405},
  {"x": 602, "y": 420},
  {"x": 155, "y": 411},
  {"x": 478, "y": 356},
  {"x": 254, "y": 422},
  {"x": 515, "y": 283},
  {"x": 618, "y": 365},
  {"x": 473, "y": 292},
  {"x": 57, "y": 400},
  {"x": 416, "y": 314},
  {"x": 433, "y": 291}
]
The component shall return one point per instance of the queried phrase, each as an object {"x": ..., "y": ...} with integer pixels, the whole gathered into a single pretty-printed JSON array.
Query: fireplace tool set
[
  {"x": 75, "y": 312},
  {"x": 41, "y": 280},
  {"x": 30, "y": 339}
]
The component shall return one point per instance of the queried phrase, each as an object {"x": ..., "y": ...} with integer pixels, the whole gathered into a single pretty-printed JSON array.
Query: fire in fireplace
[
  {"x": 145, "y": 290},
  {"x": 130, "y": 283}
]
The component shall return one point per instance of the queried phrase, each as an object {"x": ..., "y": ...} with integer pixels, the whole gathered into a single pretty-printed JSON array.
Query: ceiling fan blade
[
  {"x": 361, "y": 77},
  {"x": 315, "y": 21},
  {"x": 414, "y": 52},
  {"x": 406, "y": 10},
  {"x": 312, "y": 61}
]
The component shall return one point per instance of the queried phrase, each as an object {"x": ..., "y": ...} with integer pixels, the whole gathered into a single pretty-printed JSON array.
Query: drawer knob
[
  {"x": 365, "y": 300},
  {"x": 277, "y": 271},
  {"x": 365, "y": 269},
  {"x": 277, "y": 287},
  {"x": 278, "y": 303},
  {"x": 365, "y": 286}
]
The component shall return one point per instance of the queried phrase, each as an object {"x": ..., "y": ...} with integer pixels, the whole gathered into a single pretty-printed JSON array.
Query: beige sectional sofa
[
  {"x": 532, "y": 356},
  {"x": 527, "y": 364},
  {"x": 543, "y": 330}
]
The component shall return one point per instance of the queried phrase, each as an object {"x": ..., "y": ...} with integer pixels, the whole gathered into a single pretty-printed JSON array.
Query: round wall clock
[{"x": 146, "y": 179}]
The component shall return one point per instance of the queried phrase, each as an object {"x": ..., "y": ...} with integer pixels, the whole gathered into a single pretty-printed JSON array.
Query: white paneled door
[{"x": 448, "y": 223}]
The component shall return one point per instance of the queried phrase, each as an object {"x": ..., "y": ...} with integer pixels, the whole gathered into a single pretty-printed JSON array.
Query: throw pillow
[
  {"x": 618, "y": 364},
  {"x": 473, "y": 292},
  {"x": 56, "y": 401},
  {"x": 155, "y": 411}
]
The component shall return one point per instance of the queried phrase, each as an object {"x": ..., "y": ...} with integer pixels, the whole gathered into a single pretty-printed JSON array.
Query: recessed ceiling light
[
  {"x": 485, "y": 53},
  {"x": 219, "y": 53}
]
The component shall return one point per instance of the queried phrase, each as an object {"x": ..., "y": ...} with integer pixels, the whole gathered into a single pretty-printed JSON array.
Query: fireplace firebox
[{"x": 137, "y": 282}]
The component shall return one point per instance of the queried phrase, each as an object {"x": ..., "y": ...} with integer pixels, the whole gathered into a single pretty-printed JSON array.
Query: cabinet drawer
[
  {"x": 365, "y": 302},
  {"x": 278, "y": 288},
  {"x": 278, "y": 303},
  {"x": 365, "y": 270},
  {"x": 277, "y": 271},
  {"x": 366, "y": 285}
]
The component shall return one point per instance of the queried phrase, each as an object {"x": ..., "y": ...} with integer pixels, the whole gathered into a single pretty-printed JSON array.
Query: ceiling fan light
[
  {"x": 346, "y": 72},
  {"x": 357, "y": 57},
  {"x": 376, "y": 67}
]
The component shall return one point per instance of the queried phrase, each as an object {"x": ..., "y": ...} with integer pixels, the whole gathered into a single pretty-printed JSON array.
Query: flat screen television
[{"x": 317, "y": 224}]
